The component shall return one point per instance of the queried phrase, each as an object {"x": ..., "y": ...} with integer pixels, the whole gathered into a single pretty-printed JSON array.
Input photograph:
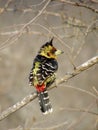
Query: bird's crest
[{"x": 48, "y": 43}]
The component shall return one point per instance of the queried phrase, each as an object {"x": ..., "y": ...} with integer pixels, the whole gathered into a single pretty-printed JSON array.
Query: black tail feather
[{"x": 44, "y": 102}]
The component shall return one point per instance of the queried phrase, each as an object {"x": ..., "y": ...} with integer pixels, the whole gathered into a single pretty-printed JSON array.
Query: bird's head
[{"x": 49, "y": 51}]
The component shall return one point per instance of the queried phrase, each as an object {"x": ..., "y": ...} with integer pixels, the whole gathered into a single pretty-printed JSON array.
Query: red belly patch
[{"x": 40, "y": 88}]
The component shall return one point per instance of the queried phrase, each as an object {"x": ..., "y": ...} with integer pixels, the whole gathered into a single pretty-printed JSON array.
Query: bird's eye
[
  {"x": 48, "y": 54},
  {"x": 53, "y": 50}
]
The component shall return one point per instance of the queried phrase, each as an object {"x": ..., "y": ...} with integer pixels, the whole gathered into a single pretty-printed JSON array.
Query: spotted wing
[
  {"x": 31, "y": 77},
  {"x": 43, "y": 69},
  {"x": 46, "y": 70}
]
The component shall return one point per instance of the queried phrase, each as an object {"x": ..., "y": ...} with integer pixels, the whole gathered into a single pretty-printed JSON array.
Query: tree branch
[
  {"x": 15, "y": 37},
  {"x": 80, "y": 68},
  {"x": 78, "y": 4},
  {"x": 33, "y": 95}
]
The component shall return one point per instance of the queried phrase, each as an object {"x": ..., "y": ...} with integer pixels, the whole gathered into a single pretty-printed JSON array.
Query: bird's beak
[{"x": 58, "y": 52}]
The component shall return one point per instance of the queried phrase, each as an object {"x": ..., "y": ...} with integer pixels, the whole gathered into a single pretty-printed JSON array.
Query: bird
[{"x": 43, "y": 73}]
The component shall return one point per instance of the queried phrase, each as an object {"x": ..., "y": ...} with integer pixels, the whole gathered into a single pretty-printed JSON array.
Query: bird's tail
[{"x": 44, "y": 102}]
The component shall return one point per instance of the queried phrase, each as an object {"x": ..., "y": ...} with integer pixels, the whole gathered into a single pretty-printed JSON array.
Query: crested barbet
[{"x": 42, "y": 74}]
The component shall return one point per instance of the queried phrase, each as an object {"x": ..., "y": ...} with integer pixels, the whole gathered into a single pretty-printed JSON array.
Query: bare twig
[
  {"x": 80, "y": 68},
  {"x": 82, "y": 90},
  {"x": 54, "y": 34},
  {"x": 38, "y": 3},
  {"x": 32, "y": 96},
  {"x": 78, "y": 110},
  {"x": 18, "y": 105},
  {"x": 28, "y": 32},
  {"x": 68, "y": 20},
  {"x": 51, "y": 128},
  {"x": 96, "y": 91},
  {"x": 5, "y": 7},
  {"x": 62, "y": 1},
  {"x": 94, "y": 1},
  {"x": 78, "y": 4},
  {"x": 88, "y": 30},
  {"x": 77, "y": 121},
  {"x": 15, "y": 37}
]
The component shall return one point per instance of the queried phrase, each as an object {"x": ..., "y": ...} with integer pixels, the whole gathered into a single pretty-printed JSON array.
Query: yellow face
[{"x": 50, "y": 51}]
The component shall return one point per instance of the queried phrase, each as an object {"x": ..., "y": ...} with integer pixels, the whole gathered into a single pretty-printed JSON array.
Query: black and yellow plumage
[{"x": 42, "y": 74}]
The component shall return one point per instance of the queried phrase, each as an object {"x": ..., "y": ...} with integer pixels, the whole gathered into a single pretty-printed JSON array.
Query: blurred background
[{"x": 25, "y": 25}]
